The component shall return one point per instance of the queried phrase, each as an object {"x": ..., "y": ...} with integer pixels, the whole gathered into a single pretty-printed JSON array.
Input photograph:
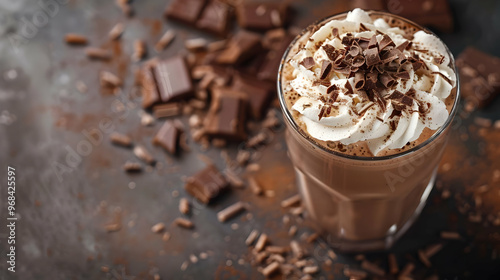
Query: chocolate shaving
[
  {"x": 358, "y": 61},
  {"x": 444, "y": 77},
  {"x": 396, "y": 95},
  {"x": 347, "y": 39},
  {"x": 354, "y": 50},
  {"x": 387, "y": 80},
  {"x": 395, "y": 112},
  {"x": 373, "y": 42},
  {"x": 326, "y": 68},
  {"x": 389, "y": 56},
  {"x": 362, "y": 27},
  {"x": 348, "y": 88},
  {"x": 386, "y": 42},
  {"x": 308, "y": 62},
  {"x": 359, "y": 81},
  {"x": 404, "y": 75},
  {"x": 330, "y": 51},
  {"x": 417, "y": 65},
  {"x": 372, "y": 57}
]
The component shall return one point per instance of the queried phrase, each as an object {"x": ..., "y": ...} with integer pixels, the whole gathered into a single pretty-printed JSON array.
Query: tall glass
[{"x": 362, "y": 203}]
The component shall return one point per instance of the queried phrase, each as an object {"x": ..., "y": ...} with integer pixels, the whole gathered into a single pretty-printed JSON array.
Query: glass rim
[{"x": 289, "y": 118}]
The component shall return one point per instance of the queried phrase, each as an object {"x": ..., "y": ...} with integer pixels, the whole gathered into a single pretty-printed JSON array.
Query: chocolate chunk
[
  {"x": 227, "y": 115},
  {"x": 269, "y": 69},
  {"x": 149, "y": 90},
  {"x": 186, "y": 11},
  {"x": 387, "y": 80},
  {"x": 240, "y": 48},
  {"x": 206, "y": 184},
  {"x": 261, "y": 16},
  {"x": 215, "y": 18},
  {"x": 168, "y": 137},
  {"x": 173, "y": 79},
  {"x": 132, "y": 167},
  {"x": 326, "y": 68},
  {"x": 97, "y": 53},
  {"x": 259, "y": 93},
  {"x": 308, "y": 62},
  {"x": 120, "y": 139},
  {"x": 372, "y": 57},
  {"x": 75, "y": 39}
]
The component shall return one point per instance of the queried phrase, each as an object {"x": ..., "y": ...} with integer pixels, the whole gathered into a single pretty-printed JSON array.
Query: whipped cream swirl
[{"x": 352, "y": 117}]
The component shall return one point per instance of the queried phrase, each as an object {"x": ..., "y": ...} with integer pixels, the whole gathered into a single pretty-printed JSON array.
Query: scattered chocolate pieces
[
  {"x": 252, "y": 237},
  {"x": 158, "y": 228},
  {"x": 227, "y": 114},
  {"x": 132, "y": 167},
  {"x": 167, "y": 110},
  {"x": 479, "y": 76},
  {"x": 165, "y": 40},
  {"x": 185, "y": 11},
  {"x": 116, "y": 32},
  {"x": 168, "y": 137},
  {"x": 240, "y": 48},
  {"x": 184, "y": 223},
  {"x": 230, "y": 211},
  {"x": 108, "y": 79},
  {"x": 75, "y": 39},
  {"x": 184, "y": 206},
  {"x": 97, "y": 53},
  {"x": 143, "y": 154},
  {"x": 295, "y": 199},
  {"x": 206, "y": 184},
  {"x": 120, "y": 139}
]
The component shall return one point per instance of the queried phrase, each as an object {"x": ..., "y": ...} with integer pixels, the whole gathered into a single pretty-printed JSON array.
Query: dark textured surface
[{"x": 60, "y": 231}]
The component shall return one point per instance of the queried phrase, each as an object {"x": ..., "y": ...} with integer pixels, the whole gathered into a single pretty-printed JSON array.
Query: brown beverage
[{"x": 368, "y": 98}]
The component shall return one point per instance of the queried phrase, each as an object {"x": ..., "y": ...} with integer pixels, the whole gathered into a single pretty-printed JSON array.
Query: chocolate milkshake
[{"x": 368, "y": 98}]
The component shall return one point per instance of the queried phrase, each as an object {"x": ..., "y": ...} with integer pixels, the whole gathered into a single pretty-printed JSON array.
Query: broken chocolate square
[
  {"x": 215, "y": 18},
  {"x": 227, "y": 115},
  {"x": 173, "y": 79},
  {"x": 259, "y": 93},
  {"x": 269, "y": 69},
  {"x": 240, "y": 47},
  {"x": 186, "y": 11},
  {"x": 206, "y": 184},
  {"x": 168, "y": 137}
]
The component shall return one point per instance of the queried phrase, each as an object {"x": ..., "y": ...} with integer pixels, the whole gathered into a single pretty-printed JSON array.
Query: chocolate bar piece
[
  {"x": 269, "y": 69},
  {"x": 185, "y": 11},
  {"x": 206, "y": 184},
  {"x": 168, "y": 137},
  {"x": 215, "y": 18},
  {"x": 436, "y": 14},
  {"x": 227, "y": 115},
  {"x": 173, "y": 79},
  {"x": 479, "y": 76},
  {"x": 241, "y": 47},
  {"x": 261, "y": 16},
  {"x": 149, "y": 90},
  {"x": 259, "y": 93}
]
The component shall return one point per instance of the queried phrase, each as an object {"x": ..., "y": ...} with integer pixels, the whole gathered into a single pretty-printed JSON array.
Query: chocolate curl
[
  {"x": 359, "y": 81},
  {"x": 348, "y": 88},
  {"x": 404, "y": 75},
  {"x": 358, "y": 61},
  {"x": 405, "y": 45},
  {"x": 390, "y": 56},
  {"x": 354, "y": 50},
  {"x": 372, "y": 57},
  {"x": 387, "y": 80},
  {"x": 372, "y": 44},
  {"x": 330, "y": 52},
  {"x": 371, "y": 81},
  {"x": 347, "y": 39},
  {"x": 386, "y": 42},
  {"x": 326, "y": 68}
]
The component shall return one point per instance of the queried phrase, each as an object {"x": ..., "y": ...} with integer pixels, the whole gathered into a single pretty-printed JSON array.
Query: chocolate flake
[
  {"x": 372, "y": 56},
  {"x": 372, "y": 44},
  {"x": 308, "y": 62},
  {"x": 330, "y": 52},
  {"x": 386, "y": 42},
  {"x": 326, "y": 68}
]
